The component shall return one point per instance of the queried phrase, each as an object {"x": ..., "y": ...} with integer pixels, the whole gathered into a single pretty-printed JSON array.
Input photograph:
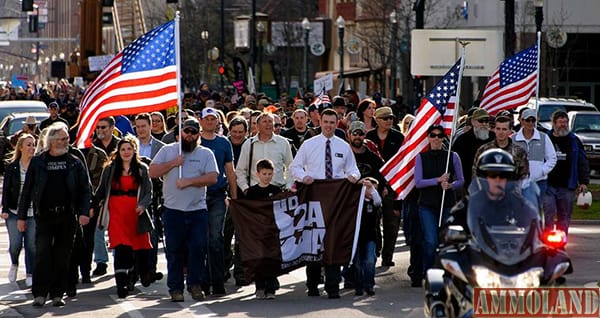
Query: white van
[{"x": 21, "y": 106}]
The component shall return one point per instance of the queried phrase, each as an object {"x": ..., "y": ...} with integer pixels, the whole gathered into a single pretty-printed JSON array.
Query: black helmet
[{"x": 495, "y": 160}]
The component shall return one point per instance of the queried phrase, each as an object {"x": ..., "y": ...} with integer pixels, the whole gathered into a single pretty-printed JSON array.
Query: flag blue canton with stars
[
  {"x": 518, "y": 66},
  {"x": 439, "y": 95},
  {"x": 154, "y": 50}
]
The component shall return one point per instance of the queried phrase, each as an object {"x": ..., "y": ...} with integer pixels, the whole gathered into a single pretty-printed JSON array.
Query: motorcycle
[{"x": 503, "y": 246}]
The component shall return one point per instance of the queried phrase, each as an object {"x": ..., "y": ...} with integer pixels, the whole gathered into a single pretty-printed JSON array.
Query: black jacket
[
  {"x": 78, "y": 186},
  {"x": 11, "y": 186}
]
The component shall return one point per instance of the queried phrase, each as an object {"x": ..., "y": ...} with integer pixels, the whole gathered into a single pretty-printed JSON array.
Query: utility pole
[
  {"x": 419, "y": 24},
  {"x": 509, "y": 28}
]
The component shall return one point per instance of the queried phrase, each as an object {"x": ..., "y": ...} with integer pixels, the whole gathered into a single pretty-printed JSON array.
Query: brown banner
[{"x": 317, "y": 223}]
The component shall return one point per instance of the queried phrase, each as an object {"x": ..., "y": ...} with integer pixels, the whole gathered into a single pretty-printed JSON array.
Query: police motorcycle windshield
[{"x": 503, "y": 224}]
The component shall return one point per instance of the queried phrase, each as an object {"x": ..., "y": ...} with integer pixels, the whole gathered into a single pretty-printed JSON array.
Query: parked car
[
  {"x": 548, "y": 105},
  {"x": 20, "y": 106},
  {"x": 12, "y": 123},
  {"x": 586, "y": 125}
]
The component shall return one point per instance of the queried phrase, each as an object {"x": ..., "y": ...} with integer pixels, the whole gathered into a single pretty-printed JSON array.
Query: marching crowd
[{"x": 135, "y": 185}]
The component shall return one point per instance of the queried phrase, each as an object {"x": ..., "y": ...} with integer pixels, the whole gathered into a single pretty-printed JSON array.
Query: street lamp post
[
  {"x": 37, "y": 44},
  {"x": 539, "y": 14},
  {"x": 204, "y": 37},
  {"x": 260, "y": 28},
  {"x": 393, "y": 49},
  {"x": 341, "y": 24},
  {"x": 306, "y": 28}
]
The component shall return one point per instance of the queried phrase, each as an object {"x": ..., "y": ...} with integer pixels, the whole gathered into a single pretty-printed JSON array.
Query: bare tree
[{"x": 374, "y": 30}]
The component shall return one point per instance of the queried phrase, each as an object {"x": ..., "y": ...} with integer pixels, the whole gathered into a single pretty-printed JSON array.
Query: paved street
[{"x": 394, "y": 297}]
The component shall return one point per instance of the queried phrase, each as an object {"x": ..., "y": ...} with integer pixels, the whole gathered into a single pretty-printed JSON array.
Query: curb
[{"x": 585, "y": 222}]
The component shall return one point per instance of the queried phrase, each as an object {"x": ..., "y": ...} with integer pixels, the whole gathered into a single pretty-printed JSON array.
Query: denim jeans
[
  {"x": 215, "y": 271},
  {"x": 532, "y": 194},
  {"x": 185, "y": 229},
  {"x": 18, "y": 239},
  {"x": 429, "y": 224},
  {"x": 364, "y": 263},
  {"x": 559, "y": 202},
  {"x": 543, "y": 186},
  {"x": 100, "y": 251}
]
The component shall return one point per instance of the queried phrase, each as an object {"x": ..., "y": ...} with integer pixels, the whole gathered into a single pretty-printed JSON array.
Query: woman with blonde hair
[
  {"x": 126, "y": 190},
  {"x": 14, "y": 177},
  {"x": 405, "y": 123}
]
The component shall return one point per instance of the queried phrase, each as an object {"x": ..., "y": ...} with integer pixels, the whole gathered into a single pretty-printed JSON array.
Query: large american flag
[
  {"x": 438, "y": 107},
  {"x": 512, "y": 83},
  {"x": 141, "y": 78}
]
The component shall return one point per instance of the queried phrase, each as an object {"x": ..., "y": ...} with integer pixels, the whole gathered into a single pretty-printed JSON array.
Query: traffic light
[
  {"x": 33, "y": 23},
  {"x": 27, "y": 5},
  {"x": 221, "y": 70}
]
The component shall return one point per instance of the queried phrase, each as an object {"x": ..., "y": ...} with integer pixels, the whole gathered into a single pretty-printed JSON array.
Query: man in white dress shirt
[{"x": 315, "y": 161}]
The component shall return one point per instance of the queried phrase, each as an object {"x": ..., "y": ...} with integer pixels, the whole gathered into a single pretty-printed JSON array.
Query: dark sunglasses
[
  {"x": 483, "y": 120},
  {"x": 434, "y": 135},
  {"x": 190, "y": 131},
  {"x": 276, "y": 125},
  {"x": 358, "y": 133},
  {"x": 494, "y": 175},
  {"x": 387, "y": 118},
  {"x": 101, "y": 127},
  {"x": 530, "y": 120}
]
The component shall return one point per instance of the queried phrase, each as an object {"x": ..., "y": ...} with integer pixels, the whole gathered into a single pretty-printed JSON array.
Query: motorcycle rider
[{"x": 495, "y": 168}]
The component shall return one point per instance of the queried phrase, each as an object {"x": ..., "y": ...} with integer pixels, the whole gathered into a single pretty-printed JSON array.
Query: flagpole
[
  {"x": 178, "y": 76},
  {"x": 454, "y": 120},
  {"x": 537, "y": 78}
]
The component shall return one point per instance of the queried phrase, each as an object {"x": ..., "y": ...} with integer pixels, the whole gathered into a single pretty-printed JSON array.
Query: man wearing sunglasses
[
  {"x": 466, "y": 145},
  {"x": 388, "y": 141},
  {"x": 105, "y": 139},
  {"x": 185, "y": 215},
  {"x": 215, "y": 199},
  {"x": 539, "y": 147}
]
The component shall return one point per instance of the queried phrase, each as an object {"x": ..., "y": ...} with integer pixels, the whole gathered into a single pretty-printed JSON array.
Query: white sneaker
[
  {"x": 29, "y": 280},
  {"x": 12, "y": 273}
]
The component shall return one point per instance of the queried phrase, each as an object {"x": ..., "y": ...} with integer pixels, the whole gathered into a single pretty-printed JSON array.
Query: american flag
[
  {"x": 512, "y": 83},
  {"x": 434, "y": 109},
  {"x": 141, "y": 78},
  {"x": 322, "y": 99}
]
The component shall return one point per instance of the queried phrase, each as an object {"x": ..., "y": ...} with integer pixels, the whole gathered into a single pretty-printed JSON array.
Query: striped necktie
[{"x": 328, "y": 164}]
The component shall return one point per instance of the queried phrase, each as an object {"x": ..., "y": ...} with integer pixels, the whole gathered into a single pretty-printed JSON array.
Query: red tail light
[{"x": 555, "y": 238}]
